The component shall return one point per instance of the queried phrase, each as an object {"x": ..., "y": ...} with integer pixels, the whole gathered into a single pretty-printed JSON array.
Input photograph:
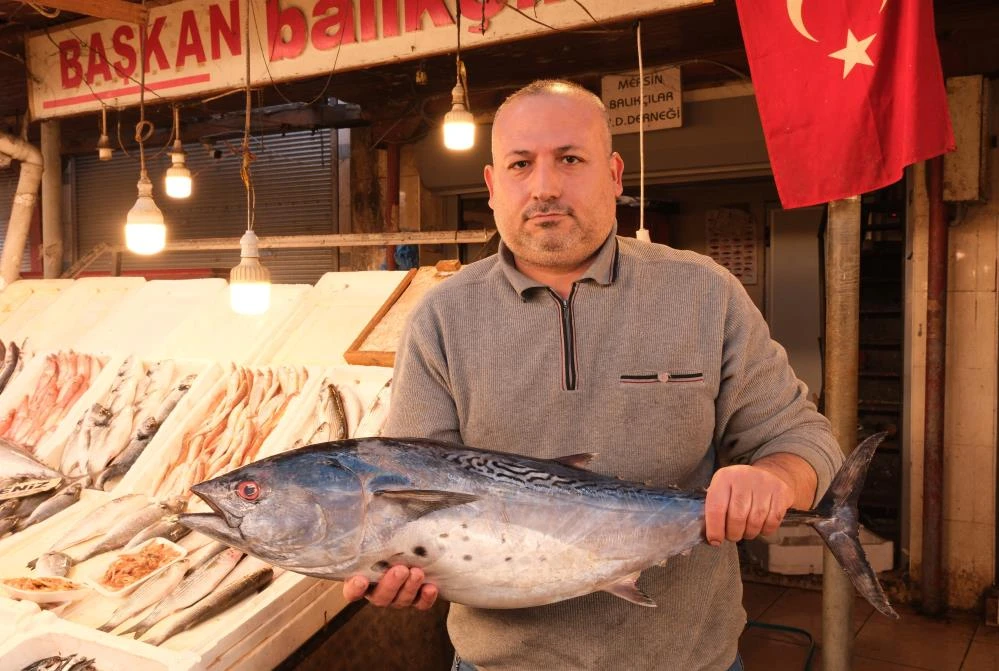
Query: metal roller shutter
[
  {"x": 294, "y": 180},
  {"x": 8, "y": 187}
]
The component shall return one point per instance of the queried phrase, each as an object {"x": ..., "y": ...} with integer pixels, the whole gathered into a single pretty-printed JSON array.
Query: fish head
[{"x": 302, "y": 506}]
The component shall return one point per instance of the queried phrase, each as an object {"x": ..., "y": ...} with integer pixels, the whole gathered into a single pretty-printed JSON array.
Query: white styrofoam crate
[
  {"x": 75, "y": 310},
  {"x": 147, "y": 316},
  {"x": 22, "y": 300},
  {"x": 798, "y": 549},
  {"x": 218, "y": 334},
  {"x": 48, "y": 635}
]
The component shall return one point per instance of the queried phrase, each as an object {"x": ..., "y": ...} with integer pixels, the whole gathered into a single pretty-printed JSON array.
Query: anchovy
[
  {"x": 487, "y": 528},
  {"x": 192, "y": 589},
  {"x": 216, "y": 603},
  {"x": 148, "y": 594}
]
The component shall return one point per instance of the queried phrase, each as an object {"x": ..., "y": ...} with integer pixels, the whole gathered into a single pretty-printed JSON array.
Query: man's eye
[
  {"x": 519, "y": 165},
  {"x": 571, "y": 159}
]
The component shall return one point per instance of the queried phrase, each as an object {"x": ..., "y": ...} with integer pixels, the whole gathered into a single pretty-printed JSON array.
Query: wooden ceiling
[{"x": 705, "y": 40}]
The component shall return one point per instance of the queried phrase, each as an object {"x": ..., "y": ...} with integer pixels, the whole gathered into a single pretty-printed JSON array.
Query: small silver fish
[
  {"x": 53, "y": 564},
  {"x": 117, "y": 536},
  {"x": 58, "y": 502},
  {"x": 216, "y": 603},
  {"x": 167, "y": 527}
]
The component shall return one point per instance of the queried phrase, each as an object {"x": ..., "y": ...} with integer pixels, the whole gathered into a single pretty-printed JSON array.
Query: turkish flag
[{"x": 849, "y": 92}]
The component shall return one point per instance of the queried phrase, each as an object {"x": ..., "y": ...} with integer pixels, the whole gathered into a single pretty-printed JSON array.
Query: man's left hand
[{"x": 744, "y": 501}]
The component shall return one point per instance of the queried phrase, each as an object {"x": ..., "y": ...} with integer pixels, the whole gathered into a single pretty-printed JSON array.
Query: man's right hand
[{"x": 400, "y": 587}]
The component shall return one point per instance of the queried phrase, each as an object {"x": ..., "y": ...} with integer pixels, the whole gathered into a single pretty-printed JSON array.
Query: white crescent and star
[{"x": 855, "y": 51}]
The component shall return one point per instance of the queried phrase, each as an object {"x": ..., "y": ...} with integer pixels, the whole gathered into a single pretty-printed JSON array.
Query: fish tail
[{"x": 837, "y": 523}]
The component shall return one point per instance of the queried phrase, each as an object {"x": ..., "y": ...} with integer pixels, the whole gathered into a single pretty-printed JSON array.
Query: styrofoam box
[
  {"x": 13, "y": 615},
  {"x": 22, "y": 300},
  {"x": 76, "y": 310},
  {"x": 147, "y": 316},
  {"x": 219, "y": 334},
  {"x": 48, "y": 635},
  {"x": 797, "y": 550}
]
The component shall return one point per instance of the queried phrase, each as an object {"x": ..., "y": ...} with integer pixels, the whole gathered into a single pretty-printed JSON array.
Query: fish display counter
[{"x": 161, "y": 387}]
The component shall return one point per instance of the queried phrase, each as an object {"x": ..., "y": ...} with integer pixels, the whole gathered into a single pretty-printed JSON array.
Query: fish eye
[{"x": 248, "y": 490}]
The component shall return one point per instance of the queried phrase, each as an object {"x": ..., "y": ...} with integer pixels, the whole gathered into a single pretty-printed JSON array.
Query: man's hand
[
  {"x": 400, "y": 587},
  {"x": 745, "y": 501}
]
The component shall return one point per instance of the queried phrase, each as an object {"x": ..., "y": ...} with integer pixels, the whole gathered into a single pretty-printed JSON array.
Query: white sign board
[
  {"x": 662, "y": 108},
  {"x": 197, "y": 46}
]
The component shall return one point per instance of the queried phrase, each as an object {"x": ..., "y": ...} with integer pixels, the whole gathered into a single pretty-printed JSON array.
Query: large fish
[{"x": 491, "y": 530}]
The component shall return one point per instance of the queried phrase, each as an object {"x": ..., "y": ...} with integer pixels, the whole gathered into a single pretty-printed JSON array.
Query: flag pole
[{"x": 842, "y": 347}]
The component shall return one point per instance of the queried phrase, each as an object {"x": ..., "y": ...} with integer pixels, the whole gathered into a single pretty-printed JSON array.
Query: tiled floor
[{"x": 914, "y": 642}]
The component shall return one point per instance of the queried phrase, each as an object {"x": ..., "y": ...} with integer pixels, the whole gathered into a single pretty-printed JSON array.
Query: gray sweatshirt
[{"x": 658, "y": 362}]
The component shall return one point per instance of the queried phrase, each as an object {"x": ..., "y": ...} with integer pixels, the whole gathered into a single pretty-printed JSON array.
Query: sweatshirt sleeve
[
  {"x": 422, "y": 403},
  {"x": 762, "y": 407}
]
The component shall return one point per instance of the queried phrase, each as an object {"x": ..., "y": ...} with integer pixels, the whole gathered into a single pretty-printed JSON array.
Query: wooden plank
[
  {"x": 354, "y": 355},
  {"x": 103, "y": 9}
]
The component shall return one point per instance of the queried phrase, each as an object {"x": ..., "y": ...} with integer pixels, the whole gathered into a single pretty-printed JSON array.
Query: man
[{"x": 573, "y": 340}]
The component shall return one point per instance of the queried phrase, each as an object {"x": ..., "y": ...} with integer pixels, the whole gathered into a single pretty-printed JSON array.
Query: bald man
[{"x": 536, "y": 350}]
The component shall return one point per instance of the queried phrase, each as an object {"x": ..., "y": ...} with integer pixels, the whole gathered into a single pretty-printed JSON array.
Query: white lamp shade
[
  {"x": 178, "y": 181},
  {"x": 145, "y": 231},
  {"x": 459, "y": 129}
]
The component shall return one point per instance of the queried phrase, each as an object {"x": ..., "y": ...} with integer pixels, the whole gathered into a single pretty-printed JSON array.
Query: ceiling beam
[{"x": 119, "y": 10}]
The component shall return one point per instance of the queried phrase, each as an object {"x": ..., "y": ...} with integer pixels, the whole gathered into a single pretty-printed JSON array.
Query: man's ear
[
  {"x": 617, "y": 172},
  {"x": 487, "y": 173}
]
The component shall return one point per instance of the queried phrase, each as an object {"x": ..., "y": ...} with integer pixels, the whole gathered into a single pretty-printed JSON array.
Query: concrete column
[
  {"x": 840, "y": 397},
  {"x": 51, "y": 198}
]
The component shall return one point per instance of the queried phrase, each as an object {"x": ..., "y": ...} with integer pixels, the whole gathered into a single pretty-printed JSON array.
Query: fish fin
[
  {"x": 581, "y": 460},
  {"x": 626, "y": 589},
  {"x": 838, "y": 526},
  {"x": 420, "y": 502}
]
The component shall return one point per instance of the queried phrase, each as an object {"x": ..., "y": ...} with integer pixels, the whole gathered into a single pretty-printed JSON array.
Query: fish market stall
[{"x": 144, "y": 416}]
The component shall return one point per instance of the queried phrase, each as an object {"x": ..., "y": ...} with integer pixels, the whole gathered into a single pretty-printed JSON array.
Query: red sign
[{"x": 849, "y": 92}]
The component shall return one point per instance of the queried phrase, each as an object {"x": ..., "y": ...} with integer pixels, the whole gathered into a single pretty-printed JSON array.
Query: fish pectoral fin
[
  {"x": 581, "y": 460},
  {"x": 420, "y": 502},
  {"x": 626, "y": 589}
]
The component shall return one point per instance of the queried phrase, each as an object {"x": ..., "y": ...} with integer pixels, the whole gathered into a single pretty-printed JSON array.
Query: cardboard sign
[{"x": 662, "y": 96}]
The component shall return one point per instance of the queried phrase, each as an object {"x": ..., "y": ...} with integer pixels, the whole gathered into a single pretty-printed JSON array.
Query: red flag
[{"x": 849, "y": 92}]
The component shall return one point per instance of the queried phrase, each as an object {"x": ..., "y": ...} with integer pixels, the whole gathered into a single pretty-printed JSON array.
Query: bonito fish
[{"x": 487, "y": 528}]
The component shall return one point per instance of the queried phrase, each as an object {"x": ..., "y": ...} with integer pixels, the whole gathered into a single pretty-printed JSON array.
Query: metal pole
[
  {"x": 933, "y": 428},
  {"x": 51, "y": 198},
  {"x": 840, "y": 396}
]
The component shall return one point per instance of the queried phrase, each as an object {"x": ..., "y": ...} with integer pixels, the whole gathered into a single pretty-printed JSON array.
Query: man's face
[{"x": 554, "y": 182}]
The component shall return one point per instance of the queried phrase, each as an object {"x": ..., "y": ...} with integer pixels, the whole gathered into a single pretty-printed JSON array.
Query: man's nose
[{"x": 546, "y": 182}]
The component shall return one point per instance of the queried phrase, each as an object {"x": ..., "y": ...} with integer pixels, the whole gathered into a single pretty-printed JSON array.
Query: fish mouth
[{"x": 233, "y": 521}]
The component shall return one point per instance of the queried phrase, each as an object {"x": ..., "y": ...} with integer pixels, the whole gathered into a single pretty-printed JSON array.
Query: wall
[{"x": 971, "y": 387}]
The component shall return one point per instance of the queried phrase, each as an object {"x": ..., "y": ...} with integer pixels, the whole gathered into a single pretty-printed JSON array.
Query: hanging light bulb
[
  {"x": 250, "y": 281},
  {"x": 459, "y": 125},
  {"x": 145, "y": 231},
  {"x": 103, "y": 144},
  {"x": 178, "y": 176}
]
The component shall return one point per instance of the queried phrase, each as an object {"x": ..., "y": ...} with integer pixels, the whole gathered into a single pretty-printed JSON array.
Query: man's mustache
[{"x": 546, "y": 209}]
